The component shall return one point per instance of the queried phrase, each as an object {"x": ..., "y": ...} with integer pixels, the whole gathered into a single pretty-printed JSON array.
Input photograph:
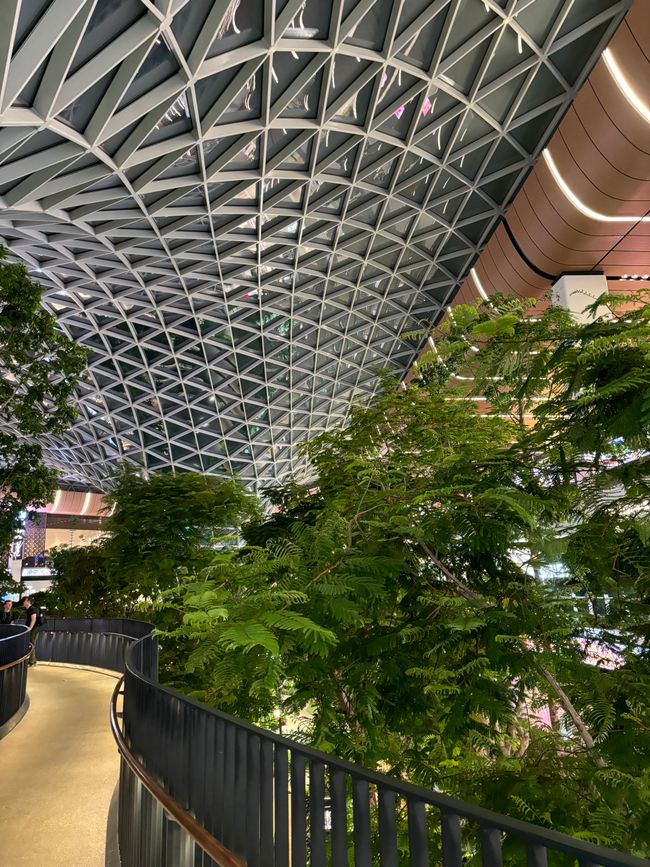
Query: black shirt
[
  {"x": 28, "y": 615},
  {"x": 6, "y": 617}
]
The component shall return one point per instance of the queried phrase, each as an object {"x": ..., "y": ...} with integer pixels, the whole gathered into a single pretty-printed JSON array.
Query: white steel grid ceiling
[{"x": 239, "y": 205}]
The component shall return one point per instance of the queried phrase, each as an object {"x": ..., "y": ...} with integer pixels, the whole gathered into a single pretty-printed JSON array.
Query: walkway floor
[{"x": 58, "y": 770}]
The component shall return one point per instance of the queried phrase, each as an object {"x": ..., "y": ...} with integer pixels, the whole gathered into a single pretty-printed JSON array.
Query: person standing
[
  {"x": 6, "y": 618},
  {"x": 31, "y": 621}
]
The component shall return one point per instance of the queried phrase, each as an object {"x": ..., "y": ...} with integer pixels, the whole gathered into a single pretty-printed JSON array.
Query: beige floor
[{"x": 58, "y": 770}]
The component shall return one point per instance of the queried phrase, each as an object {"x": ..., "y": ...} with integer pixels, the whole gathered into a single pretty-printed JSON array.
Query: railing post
[
  {"x": 452, "y": 853},
  {"x": 298, "y": 811},
  {"x": 266, "y": 804},
  {"x": 317, "y": 813},
  {"x": 228, "y": 802},
  {"x": 241, "y": 755},
  {"x": 253, "y": 795},
  {"x": 281, "y": 806},
  {"x": 339, "y": 817},
  {"x": 536, "y": 856},
  {"x": 387, "y": 828},
  {"x": 361, "y": 818},
  {"x": 418, "y": 838},
  {"x": 491, "y": 847},
  {"x": 219, "y": 775}
]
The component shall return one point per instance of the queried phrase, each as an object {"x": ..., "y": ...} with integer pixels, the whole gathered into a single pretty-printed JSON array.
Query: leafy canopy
[
  {"x": 39, "y": 369},
  {"x": 461, "y": 595},
  {"x": 157, "y": 529}
]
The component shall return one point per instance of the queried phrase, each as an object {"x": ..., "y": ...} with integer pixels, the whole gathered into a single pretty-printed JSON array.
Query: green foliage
[
  {"x": 162, "y": 527},
  {"x": 158, "y": 530},
  {"x": 39, "y": 369},
  {"x": 80, "y": 586},
  {"x": 459, "y": 597}
]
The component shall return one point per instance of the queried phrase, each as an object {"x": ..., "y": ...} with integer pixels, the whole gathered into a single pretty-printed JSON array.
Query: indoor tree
[
  {"x": 461, "y": 596},
  {"x": 156, "y": 529},
  {"x": 39, "y": 369},
  {"x": 162, "y": 526},
  {"x": 79, "y": 585}
]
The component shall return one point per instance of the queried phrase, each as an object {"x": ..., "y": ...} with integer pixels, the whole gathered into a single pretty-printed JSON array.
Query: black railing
[
  {"x": 14, "y": 652},
  {"x": 99, "y": 642},
  {"x": 117, "y": 625},
  {"x": 199, "y": 787}
]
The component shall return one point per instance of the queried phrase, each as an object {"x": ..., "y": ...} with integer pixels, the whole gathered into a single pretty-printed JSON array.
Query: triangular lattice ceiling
[{"x": 240, "y": 206}]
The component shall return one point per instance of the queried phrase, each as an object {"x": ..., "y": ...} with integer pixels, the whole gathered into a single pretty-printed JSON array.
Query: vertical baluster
[
  {"x": 241, "y": 751},
  {"x": 387, "y": 829},
  {"x": 173, "y": 848},
  {"x": 209, "y": 768},
  {"x": 218, "y": 778},
  {"x": 536, "y": 856},
  {"x": 298, "y": 811},
  {"x": 156, "y": 852},
  {"x": 253, "y": 794},
  {"x": 195, "y": 764},
  {"x": 281, "y": 807},
  {"x": 339, "y": 818},
  {"x": 418, "y": 840},
  {"x": 187, "y": 850},
  {"x": 165, "y": 842},
  {"x": 452, "y": 853},
  {"x": 133, "y": 821},
  {"x": 125, "y": 813},
  {"x": 146, "y": 817},
  {"x": 361, "y": 827},
  {"x": 227, "y": 804},
  {"x": 491, "y": 847},
  {"x": 142, "y": 792},
  {"x": 266, "y": 804},
  {"x": 317, "y": 813}
]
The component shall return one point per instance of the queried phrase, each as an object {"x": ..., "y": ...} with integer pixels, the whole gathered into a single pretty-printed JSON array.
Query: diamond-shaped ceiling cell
[{"x": 239, "y": 206}]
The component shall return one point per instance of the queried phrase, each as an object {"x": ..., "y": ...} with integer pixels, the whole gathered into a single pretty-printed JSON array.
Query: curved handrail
[
  {"x": 14, "y": 641},
  {"x": 98, "y": 642},
  {"x": 15, "y": 662},
  {"x": 240, "y": 792},
  {"x": 493, "y": 825},
  {"x": 209, "y": 844},
  {"x": 14, "y": 653}
]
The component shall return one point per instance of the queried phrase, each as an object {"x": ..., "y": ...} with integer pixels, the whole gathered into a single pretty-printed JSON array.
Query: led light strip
[
  {"x": 479, "y": 285},
  {"x": 578, "y": 204},
  {"x": 625, "y": 87}
]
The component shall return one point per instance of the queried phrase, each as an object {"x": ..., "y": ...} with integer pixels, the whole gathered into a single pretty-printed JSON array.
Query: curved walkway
[{"x": 58, "y": 770}]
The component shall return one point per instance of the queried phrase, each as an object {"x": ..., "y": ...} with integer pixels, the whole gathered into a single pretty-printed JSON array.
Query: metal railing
[
  {"x": 14, "y": 653},
  {"x": 99, "y": 642},
  {"x": 274, "y": 803},
  {"x": 200, "y": 788}
]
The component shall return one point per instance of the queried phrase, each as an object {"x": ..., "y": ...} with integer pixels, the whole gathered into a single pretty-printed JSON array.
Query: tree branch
[
  {"x": 563, "y": 698},
  {"x": 465, "y": 591},
  {"x": 577, "y": 720}
]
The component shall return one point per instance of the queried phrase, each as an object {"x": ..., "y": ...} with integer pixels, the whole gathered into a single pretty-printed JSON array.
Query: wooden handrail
[
  {"x": 15, "y": 662},
  {"x": 209, "y": 844}
]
